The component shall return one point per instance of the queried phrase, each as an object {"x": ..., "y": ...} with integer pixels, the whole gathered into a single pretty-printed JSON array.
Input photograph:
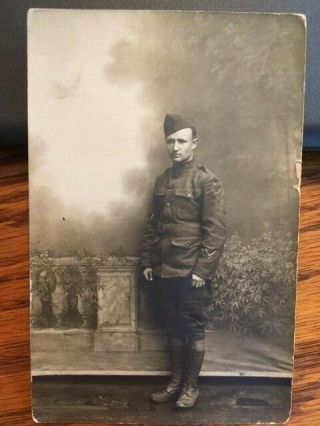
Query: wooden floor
[
  {"x": 126, "y": 400},
  {"x": 15, "y": 396}
]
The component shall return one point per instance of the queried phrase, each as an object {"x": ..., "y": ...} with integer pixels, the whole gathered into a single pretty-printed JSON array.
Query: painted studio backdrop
[{"x": 100, "y": 84}]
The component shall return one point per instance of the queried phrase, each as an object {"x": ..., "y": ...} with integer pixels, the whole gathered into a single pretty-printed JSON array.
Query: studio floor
[{"x": 109, "y": 399}]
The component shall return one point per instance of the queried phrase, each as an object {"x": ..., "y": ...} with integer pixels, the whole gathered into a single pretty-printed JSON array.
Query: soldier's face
[{"x": 181, "y": 145}]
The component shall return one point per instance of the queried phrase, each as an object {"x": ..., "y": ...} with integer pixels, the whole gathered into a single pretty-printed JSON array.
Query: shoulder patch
[{"x": 216, "y": 184}]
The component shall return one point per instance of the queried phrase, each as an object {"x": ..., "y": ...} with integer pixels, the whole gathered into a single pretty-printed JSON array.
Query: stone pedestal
[{"x": 117, "y": 297}]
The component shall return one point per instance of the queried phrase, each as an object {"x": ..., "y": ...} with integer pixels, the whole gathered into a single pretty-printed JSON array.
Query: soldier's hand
[
  {"x": 197, "y": 281},
  {"x": 148, "y": 274}
]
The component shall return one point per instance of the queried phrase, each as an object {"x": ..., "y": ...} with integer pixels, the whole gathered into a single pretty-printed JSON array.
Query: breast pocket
[
  {"x": 188, "y": 204},
  {"x": 184, "y": 251}
]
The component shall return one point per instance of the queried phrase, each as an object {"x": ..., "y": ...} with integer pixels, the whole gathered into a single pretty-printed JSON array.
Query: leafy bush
[{"x": 254, "y": 288}]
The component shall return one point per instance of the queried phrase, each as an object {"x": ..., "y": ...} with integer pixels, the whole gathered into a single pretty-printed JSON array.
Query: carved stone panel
[{"x": 117, "y": 298}]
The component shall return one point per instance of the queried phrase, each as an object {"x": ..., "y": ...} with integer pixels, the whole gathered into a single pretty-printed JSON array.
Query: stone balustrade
[
  {"x": 96, "y": 311},
  {"x": 89, "y": 293}
]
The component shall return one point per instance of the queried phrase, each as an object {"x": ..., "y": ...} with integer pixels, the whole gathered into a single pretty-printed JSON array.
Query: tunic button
[
  {"x": 168, "y": 204},
  {"x": 189, "y": 195}
]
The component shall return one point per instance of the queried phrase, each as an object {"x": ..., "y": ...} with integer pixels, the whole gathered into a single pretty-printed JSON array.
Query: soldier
[{"x": 183, "y": 240}]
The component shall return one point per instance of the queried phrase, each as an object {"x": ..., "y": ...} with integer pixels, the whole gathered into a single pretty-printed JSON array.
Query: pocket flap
[
  {"x": 185, "y": 242},
  {"x": 188, "y": 192}
]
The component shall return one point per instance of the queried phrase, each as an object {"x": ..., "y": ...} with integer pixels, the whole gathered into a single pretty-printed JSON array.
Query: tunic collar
[{"x": 179, "y": 168}]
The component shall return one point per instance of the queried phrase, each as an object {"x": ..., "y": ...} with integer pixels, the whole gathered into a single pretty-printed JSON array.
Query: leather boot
[
  {"x": 172, "y": 390},
  {"x": 190, "y": 390},
  {"x": 168, "y": 394},
  {"x": 188, "y": 396}
]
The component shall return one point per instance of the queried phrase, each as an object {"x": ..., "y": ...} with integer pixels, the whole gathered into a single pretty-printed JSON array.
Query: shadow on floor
[{"x": 111, "y": 399}]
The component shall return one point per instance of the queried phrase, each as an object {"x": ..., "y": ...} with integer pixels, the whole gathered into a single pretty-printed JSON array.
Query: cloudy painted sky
[
  {"x": 99, "y": 85},
  {"x": 85, "y": 129}
]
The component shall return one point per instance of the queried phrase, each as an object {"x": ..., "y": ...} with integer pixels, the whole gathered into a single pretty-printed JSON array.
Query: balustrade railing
[{"x": 65, "y": 292}]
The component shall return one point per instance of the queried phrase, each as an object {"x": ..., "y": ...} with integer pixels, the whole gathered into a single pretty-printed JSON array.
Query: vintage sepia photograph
[{"x": 164, "y": 173}]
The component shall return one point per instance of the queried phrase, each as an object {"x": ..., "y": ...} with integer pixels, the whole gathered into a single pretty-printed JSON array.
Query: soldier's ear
[{"x": 194, "y": 142}]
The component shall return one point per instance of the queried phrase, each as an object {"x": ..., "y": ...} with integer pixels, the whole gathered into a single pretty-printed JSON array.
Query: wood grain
[{"x": 15, "y": 399}]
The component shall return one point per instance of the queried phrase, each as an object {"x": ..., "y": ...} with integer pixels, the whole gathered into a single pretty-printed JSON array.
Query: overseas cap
[{"x": 174, "y": 122}]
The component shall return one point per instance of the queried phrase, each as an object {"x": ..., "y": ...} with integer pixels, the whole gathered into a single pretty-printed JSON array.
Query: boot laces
[{"x": 188, "y": 387}]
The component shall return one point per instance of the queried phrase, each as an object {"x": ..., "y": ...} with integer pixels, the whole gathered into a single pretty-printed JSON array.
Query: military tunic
[{"x": 186, "y": 229}]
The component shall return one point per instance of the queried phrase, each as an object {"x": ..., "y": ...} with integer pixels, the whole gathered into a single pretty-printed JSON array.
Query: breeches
[{"x": 182, "y": 309}]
